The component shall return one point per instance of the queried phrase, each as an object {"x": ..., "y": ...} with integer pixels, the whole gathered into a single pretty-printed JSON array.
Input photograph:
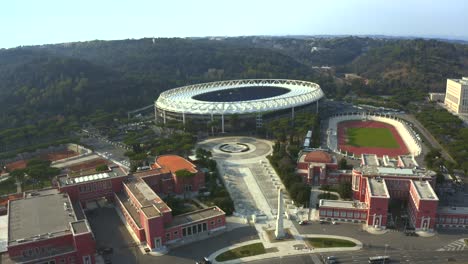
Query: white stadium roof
[{"x": 180, "y": 100}]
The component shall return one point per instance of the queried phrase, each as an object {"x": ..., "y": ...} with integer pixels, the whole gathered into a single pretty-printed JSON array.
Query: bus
[{"x": 379, "y": 259}]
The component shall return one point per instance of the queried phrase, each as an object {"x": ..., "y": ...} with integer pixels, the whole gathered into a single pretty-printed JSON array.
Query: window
[
  {"x": 168, "y": 236},
  {"x": 363, "y": 215},
  {"x": 322, "y": 212},
  {"x": 189, "y": 231},
  {"x": 63, "y": 261},
  {"x": 219, "y": 220},
  {"x": 343, "y": 214},
  {"x": 175, "y": 233},
  {"x": 329, "y": 212},
  {"x": 194, "y": 229},
  {"x": 350, "y": 214},
  {"x": 205, "y": 227},
  {"x": 336, "y": 213},
  {"x": 461, "y": 221},
  {"x": 184, "y": 232},
  {"x": 212, "y": 223},
  {"x": 199, "y": 228}
]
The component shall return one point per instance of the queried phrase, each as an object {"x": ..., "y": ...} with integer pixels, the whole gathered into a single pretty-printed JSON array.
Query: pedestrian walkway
[
  {"x": 285, "y": 248},
  {"x": 457, "y": 245}
]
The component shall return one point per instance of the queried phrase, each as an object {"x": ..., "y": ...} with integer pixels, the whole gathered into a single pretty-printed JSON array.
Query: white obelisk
[{"x": 279, "y": 232}]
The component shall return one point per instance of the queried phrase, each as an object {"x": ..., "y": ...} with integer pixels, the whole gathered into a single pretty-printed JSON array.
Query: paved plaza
[{"x": 247, "y": 174}]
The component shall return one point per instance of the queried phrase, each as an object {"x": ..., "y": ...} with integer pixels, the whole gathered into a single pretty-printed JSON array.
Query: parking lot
[{"x": 110, "y": 232}]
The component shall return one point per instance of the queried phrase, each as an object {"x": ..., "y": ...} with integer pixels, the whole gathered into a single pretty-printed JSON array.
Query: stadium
[
  {"x": 371, "y": 133},
  {"x": 237, "y": 103}
]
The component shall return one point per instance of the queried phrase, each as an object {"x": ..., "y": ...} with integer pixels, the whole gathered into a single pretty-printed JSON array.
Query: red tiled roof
[
  {"x": 175, "y": 163},
  {"x": 318, "y": 156}
]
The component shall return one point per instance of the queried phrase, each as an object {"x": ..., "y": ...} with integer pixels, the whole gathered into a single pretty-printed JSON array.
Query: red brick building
[
  {"x": 50, "y": 226},
  {"x": 46, "y": 227},
  {"x": 376, "y": 182},
  {"x": 150, "y": 219}
]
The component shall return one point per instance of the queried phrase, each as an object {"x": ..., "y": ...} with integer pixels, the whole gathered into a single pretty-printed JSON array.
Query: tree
[
  {"x": 184, "y": 174},
  {"x": 440, "y": 178},
  {"x": 343, "y": 164},
  {"x": 102, "y": 167},
  {"x": 345, "y": 191}
]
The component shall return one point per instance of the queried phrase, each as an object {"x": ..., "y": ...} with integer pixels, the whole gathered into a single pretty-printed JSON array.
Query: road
[
  {"x": 432, "y": 142},
  {"x": 395, "y": 239},
  {"x": 362, "y": 256},
  {"x": 111, "y": 232}
]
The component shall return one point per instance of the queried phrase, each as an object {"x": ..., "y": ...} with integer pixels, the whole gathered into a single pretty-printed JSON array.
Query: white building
[{"x": 456, "y": 96}]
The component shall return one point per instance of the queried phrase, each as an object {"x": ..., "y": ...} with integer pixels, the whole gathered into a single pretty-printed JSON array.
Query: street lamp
[{"x": 385, "y": 253}]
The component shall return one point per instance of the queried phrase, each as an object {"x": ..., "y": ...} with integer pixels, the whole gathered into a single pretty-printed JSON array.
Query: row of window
[
  {"x": 193, "y": 230},
  {"x": 92, "y": 187},
  {"x": 349, "y": 214},
  {"x": 451, "y": 220}
]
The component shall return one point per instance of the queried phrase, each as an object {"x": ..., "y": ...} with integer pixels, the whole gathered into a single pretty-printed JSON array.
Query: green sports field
[{"x": 371, "y": 137}]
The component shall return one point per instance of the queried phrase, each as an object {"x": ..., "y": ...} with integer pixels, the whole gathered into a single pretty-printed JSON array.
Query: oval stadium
[{"x": 237, "y": 103}]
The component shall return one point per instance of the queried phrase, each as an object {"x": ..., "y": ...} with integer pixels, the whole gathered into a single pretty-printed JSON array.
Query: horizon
[{"x": 53, "y": 22}]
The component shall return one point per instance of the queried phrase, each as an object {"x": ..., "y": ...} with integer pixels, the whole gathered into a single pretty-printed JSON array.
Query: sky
[{"x": 35, "y": 22}]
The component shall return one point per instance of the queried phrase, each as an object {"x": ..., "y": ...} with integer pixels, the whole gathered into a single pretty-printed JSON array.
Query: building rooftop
[
  {"x": 80, "y": 227},
  {"x": 425, "y": 190},
  {"x": 129, "y": 207},
  {"x": 38, "y": 216},
  {"x": 370, "y": 160},
  {"x": 452, "y": 210},
  {"x": 394, "y": 171},
  {"x": 343, "y": 204},
  {"x": 195, "y": 216},
  {"x": 318, "y": 157},
  {"x": 175, "y": 163},
  {"x": 115, "y": 171},
  {"x": 408, "y": 161},
  {"x": 377, "y": 188},
  {"x": 147, "y": 197},
  {"x": 463, "y": 80}
]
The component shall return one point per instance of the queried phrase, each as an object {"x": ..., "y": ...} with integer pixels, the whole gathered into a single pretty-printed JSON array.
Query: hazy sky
[{"x": 31, "y": 22}]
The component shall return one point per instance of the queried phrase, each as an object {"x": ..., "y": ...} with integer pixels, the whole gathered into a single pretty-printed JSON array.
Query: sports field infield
[{"x": 371, "y": 137}]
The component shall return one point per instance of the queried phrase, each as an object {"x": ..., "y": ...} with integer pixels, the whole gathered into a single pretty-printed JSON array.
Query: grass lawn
[
  {"x": 371, "y": 137},
  {"x": 241, "y": 252},
  {"x": 322, "y": 242}
]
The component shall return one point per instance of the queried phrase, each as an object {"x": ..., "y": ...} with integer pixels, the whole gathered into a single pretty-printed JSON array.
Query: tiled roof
[
  {"x": 175, "y": 163},
  {"x": 318, "y": 156}
]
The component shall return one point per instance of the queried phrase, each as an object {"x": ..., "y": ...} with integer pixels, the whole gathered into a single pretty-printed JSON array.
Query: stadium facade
[{"x": 249, "y": 102}]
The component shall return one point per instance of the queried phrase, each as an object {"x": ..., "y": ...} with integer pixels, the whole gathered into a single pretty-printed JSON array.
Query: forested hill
[
  {"x": 79, "y": 78},
  {"x": 56, "y": 88},
  {"x": 419, "y": 65}
]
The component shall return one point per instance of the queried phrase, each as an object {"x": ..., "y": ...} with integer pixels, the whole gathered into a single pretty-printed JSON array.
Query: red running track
[{"x": 392, "y": 152}]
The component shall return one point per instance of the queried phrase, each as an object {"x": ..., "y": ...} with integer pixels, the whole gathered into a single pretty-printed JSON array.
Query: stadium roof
[{"x": 181, "y": 100}]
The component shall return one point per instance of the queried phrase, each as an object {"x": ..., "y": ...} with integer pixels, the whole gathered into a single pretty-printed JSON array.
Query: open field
[
  {"x": 322, "y": 242},
  {"x": 242, "y": 252},
  {"x": 371, "y": 137}
]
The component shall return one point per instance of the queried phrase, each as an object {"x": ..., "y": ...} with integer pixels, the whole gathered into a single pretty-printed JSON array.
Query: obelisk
[{"x": 279, "y": 232}]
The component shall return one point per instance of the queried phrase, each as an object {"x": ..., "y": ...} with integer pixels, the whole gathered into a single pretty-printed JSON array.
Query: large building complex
[
  {"x": 456, "y": 95},
  {"x": 239, "y": 103},
  {"x": 50, "y": 226},
  {"x": 375, "y": 184}
]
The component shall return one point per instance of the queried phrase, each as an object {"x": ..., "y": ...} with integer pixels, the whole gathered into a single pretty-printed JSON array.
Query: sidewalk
[{"x": 285, "y": 248}]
